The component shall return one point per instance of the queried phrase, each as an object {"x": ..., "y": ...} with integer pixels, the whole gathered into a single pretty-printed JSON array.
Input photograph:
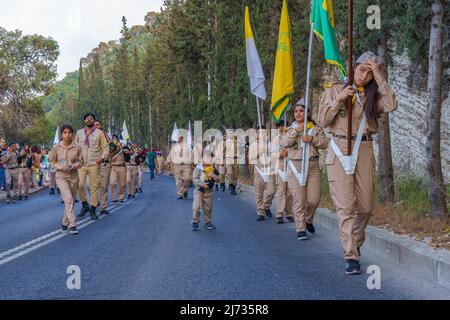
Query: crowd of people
[
  {"x": 89, "y": 157},
  {"x": 298, "y": 192}
]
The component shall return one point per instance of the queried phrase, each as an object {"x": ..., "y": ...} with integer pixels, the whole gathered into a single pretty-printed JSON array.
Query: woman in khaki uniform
[
  {"x": 131, "y": 171},
  {"x": 67, "y": 158},
  {"x": 24, "y": 174},
  {"x": 118, "y": 174},
  {"x": 352, "y": 194},
  {"x": 305, "y": 198}
]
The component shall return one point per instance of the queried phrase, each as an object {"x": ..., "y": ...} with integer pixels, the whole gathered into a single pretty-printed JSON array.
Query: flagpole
[
  {"x": 260, "y": 131},
  {"x": 350, "y": 75},
  {"x": 308, "y": 81}
]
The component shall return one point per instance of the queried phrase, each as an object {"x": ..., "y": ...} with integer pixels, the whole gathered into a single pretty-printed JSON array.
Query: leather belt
[
  {"x": 366, "y": 137},
  {"x": 314, "y": 158}
]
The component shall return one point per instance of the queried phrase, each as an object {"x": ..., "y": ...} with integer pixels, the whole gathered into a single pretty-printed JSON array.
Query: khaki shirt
[
  {"x": 119, "y": 158},
  {"x": 180, "y": 154},
  {"x": 97, "y": 148},
  {"x": 333, "y": 115},
  {"x": 62, "y": 155},
  {"x": 10, "y": 160},
  {"x": 292, "y": 141}
]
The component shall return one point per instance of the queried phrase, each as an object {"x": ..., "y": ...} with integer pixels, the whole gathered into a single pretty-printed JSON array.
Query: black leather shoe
[
  {"x": 260, "y": 218},
  {"x": 310, "y": 228},
  {"x": 104, "y": 211},
  {"x": 84, "y": 210},
  {"x": 280, "y": 220},
  {"x": 268, "y": 213},
  {"x": 93, "y": 214}
]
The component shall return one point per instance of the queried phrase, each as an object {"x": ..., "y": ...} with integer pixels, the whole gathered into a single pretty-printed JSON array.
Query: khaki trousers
[
  {"x": 52, "y": 180},
  {"x": 283, "y": 198},
  {"x": 183, "y": 175},
  {"x": 68, "y": 184},
  {"x": 352, "y": 196},
  {"x": 92, "y": 172},
  {"x": 131, "y": 179},
  {"x": 24, "y": 181},
  {"x": 202, "y": 200},
  {"x": 118, "y": 178},
  {"x": 232, "y": 172},
  {"x": 307, "y": 198},
  {"x": 12, "y": 178},
  {"x": 105, "y": 174},
  {"x": 264, "y": 192},
  {"x": 140, "y": 176}
]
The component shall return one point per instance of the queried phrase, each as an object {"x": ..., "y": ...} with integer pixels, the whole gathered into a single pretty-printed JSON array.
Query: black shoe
[
  {"x": 64, "y": 228},
  {"x": 268, "y": 213},
  {"x": 310, "y": 228},
  {"x": 194, "y": 226},
  {"x": 290, "y": 219},
  {"x": 104, "y": 211},
  {"x": 180, "y": 198},
  {"x": 260, "y": 218},
  {"x": 302, "y": 235},
  {"x": 20, "y": 198},
  {"x": 76, "y": 200},
  {"x": 359, "y": 251},
  {"x": 73, "y": 231},
  {"x": 129, "y": 196},
  {"x": 93, "y": 214},
  {"x": 121, "y": 201},
  {"x": 133, "y": 196},
  {"x": 25, "y": 198},
  {"x": 280, "y": 220},
  {"x": 217, "y": 187},
  {"x": 210, "y": 226},
  {"x": 115, "y": 201},
  {"x": 185, "y": 195},
  {"x": 233, "y": 190},
  {"x": 52, "y": 191},
  {"x": 352, "y": 267},
  {"x": 84, "y": 210}
]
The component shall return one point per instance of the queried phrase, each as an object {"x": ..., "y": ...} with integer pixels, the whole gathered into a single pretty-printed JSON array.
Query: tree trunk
[
  {"x": 436, "y": 189},
  {"x": 386, "y": 170}
]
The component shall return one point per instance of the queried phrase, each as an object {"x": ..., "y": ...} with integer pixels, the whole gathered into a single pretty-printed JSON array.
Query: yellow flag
[{"x": 283, "y": 80}]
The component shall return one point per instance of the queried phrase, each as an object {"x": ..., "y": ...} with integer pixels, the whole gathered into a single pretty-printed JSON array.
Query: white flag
[
  {"x": 56, "y": 139},
  {"x": 254, "y": 68},
  {"x": 125, "y": 134},
  {"x": 175, "y": 133},
  {"x": 189, "y": 137}
]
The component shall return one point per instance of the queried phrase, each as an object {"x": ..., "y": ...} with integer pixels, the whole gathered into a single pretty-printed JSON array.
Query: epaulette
[{"x": 330, "y": 84}]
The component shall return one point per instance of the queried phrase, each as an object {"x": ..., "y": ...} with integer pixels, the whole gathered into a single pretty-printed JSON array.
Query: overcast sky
[{"x": 77, "y": 25}]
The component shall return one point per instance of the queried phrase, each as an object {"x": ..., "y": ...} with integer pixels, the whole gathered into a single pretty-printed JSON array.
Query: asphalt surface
[{"x": 145, "y": 249}]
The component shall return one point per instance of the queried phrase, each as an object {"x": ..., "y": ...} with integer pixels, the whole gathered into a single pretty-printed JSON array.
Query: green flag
[{"x": 323, "y": 18}]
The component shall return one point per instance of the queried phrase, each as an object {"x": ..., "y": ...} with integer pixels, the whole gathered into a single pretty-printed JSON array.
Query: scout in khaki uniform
[
  {"x": 105, "y": 173},
  {"x": 131, "y": 166},
  {"x": 352, "y": 189},
  {"x": 306, "y": 197},
  {"x": 9, "y": 160},
  {"x": 180, "y": 158},
  {"x": 118, "y": 173},
  {"x": 95, "y": 152},
  {"x": 204, "y": 177},
  {"x": 264, "y": 191},
  {"x": 24, "y": 161},
  {"x": 283, "y": 196},
  {"x": 67, "y": 158},
  {"x": 231, "y": 165}
]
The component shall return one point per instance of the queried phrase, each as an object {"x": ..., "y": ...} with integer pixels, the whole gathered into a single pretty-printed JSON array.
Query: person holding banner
[
  {"x": 351, "y": 178},
  {"x": 305, "y": 186}
]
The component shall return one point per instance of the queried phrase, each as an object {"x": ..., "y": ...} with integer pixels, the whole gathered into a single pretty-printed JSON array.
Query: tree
[{"x": 436, "y": 189}]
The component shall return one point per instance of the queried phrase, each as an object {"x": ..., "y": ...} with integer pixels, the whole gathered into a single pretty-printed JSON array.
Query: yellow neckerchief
[
  {"x": 309, "y": 125},
  {"x": 207, "y": 169},
  {"x": 359, "y": 89}
]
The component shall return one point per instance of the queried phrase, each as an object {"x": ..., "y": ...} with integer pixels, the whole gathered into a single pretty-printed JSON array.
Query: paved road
[{"x": 146, "y": 250}]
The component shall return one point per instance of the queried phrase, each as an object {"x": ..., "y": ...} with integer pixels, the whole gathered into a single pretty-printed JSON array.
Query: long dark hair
[{"x": 372, "y": 95}]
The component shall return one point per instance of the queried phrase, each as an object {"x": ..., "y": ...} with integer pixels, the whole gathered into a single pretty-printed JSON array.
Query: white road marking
[{"x": 37, "y": 243}]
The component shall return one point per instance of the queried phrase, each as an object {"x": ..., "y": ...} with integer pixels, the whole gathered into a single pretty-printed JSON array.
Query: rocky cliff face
[{"x": 408, "y": 124}]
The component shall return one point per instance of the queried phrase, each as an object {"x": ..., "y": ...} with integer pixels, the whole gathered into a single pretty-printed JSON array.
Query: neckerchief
[{"x": 86, "y": 141}]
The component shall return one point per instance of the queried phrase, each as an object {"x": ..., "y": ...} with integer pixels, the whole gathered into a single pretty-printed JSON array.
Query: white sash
[
  {"x": 302, "y": 177},
  {"x": 349, "y": 162},
  {"x": 264, "y": 175}
]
